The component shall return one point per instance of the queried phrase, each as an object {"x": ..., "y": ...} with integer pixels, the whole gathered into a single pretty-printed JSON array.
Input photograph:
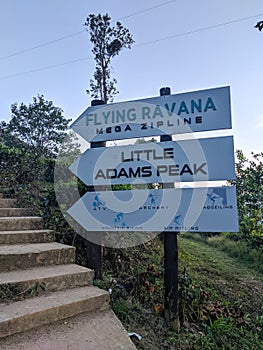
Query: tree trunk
[{"x": 104, "y": 83}]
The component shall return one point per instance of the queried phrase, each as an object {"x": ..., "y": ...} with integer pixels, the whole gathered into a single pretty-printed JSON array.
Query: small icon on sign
[
  {"x": 152, "y": 197},
  {"x": 97, "y": 202},
  {"x": 179, "y": 220},
  {"x": 217, "y": 197},
  {"x": 119, "y": 220}
]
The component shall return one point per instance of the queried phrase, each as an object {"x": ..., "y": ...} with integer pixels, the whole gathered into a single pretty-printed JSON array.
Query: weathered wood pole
[
  {"x": 94, "y": 252},
  {"x": 170, "y": 258}
]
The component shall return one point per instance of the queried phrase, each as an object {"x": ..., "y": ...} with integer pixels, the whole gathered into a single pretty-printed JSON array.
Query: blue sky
[{"x": 185, "y": 58}]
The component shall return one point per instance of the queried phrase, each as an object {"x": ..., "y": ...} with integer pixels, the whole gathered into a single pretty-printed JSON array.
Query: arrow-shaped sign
[
  {"x": 172, "y": 114},
  {"x": 187, "y": 160},
  {"x": 187, "y": 209}
]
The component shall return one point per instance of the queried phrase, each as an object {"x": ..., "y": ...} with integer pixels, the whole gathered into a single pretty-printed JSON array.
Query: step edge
[
  {"x": 18, "y": 286},
  {"x": 4, "y": 218},
  {"x": 47, "y": 245},
  {"x": 49, "y": 314},
  {"x": 44, "y": 269},
  {"x": 26, "y": 231}
]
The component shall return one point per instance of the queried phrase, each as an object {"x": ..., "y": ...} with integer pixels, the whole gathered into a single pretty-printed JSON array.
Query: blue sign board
[
  {"x": 172, "y": 114},
  {"x": 211, "y": 209},
  {"x": 187, "y": 160}
]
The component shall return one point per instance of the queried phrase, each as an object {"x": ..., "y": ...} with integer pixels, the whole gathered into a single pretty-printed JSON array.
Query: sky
[{"x": 187, "y": 45}]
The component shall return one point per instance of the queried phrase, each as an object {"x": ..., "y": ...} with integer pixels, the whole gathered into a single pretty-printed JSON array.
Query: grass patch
[
  {"x": 221, "y": 300},
  {"x": 238, "y": 249}
]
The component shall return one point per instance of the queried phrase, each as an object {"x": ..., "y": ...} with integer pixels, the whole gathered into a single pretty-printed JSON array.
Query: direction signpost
[
  {"x": 169, "y": 114},
  {"x": 200, "y": 209},
  {"x": 169, "y": 210},
  {"x": 171, "y": 161}
]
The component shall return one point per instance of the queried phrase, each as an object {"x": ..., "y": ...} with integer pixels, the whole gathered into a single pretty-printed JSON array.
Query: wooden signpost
[
  {"x": 94, "y": 251},
  {"x": 169, "y": 210}
]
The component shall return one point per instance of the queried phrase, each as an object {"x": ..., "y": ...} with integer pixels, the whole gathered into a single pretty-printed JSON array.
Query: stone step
[
  {"x": 7, "y": 203},
  {"x": 30, "y": 313},
  {"x": 88, "y": 331},
  {"x": 16, "y": 212},
  {"x": 25, "y": 256},
  {"x": 21, "y": 283},
  {"x": 20, "y": 223},
  {"x": 26, "y": 236}
]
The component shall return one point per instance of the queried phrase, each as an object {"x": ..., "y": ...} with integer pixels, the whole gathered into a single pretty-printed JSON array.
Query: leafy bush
[{"x": 249, "y": 184}]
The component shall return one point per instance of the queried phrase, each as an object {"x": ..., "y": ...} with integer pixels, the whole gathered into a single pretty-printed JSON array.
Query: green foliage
[
  {"x": 30, "y": 180},
  {"x": 9, "y": 291},
  {"x": 24, "y": 174},
  {"x": 142, "y": 140},
  {"x": 249, "y": 184},
  {"x": 39, "y": 127},
  {"x": 107, "y": 42},
  {"x": 28, "y": 145}
]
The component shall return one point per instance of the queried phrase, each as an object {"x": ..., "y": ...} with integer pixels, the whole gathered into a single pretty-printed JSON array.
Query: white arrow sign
[
  {"x": 188, "y": 209},
  {"x": 187, "y": 160},
  {"x": 172, "y": 114}
]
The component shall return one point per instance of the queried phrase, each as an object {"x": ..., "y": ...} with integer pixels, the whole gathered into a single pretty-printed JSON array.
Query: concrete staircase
[{"x": 45, "y": 298}]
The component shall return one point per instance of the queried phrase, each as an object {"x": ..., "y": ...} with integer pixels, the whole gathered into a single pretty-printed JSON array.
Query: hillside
[{"x": 221, "y": 303}]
